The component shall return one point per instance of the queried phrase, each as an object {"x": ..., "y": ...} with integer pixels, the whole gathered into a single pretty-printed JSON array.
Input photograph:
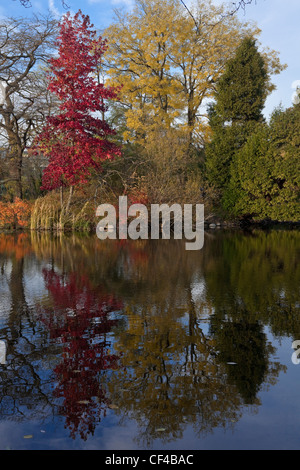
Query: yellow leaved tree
[{"x": 167, "y": 60}]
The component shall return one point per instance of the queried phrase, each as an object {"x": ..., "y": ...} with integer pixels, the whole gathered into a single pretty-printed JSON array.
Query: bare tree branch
[
  {"x": 189, "y": 12},
  {"x": 27, "y": 3},
  {"x": 236, "y": 6},
  {"x": 26, "y": 45},
  {"x": 241, "y": 4}
]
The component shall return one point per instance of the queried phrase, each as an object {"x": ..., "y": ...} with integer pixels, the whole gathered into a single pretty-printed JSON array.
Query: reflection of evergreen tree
[
  {"x": 243, "y": 344},
  {"x": 258, "y": 273},
  {"x": 252, "y": 281}
]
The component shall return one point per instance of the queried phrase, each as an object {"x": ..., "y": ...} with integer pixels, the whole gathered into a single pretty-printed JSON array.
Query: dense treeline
[
  {"x": 254, "y": 164},
  {"x": 165, "y": 106}
]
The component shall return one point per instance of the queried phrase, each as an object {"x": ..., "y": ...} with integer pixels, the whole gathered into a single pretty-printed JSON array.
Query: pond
[{"x": 144, "y": 345}]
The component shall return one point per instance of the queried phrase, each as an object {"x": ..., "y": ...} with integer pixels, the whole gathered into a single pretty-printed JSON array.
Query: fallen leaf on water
[
  {"x": 28, "y": 436},
  {"x": 113, "y": 407}
]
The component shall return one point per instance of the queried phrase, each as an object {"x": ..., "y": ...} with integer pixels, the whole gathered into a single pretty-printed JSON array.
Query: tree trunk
[
  {"x": 61, "y": 191},
  {"x": 15, "y": 159},
  {"x": 69, "y": 199},
  {"x": 19, "y": 189}
]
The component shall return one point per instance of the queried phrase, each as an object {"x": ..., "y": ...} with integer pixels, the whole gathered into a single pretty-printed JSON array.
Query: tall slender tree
[
  {"x": 238, "y": 107},
  {"x": 77, "y": 140}
]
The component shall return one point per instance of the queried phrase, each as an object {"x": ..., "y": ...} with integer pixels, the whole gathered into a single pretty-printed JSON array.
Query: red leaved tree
[{"x": 78, "y": 139}]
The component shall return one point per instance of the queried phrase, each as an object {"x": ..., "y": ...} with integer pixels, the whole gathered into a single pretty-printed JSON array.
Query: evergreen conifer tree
[
  {"x": 265, "y": 175},
  {"x": 239, "y": 101}
]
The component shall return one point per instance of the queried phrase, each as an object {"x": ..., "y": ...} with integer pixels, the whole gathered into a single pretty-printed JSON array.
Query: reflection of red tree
[
  {"x": 80, "y": 321},
  {"x": 136, "y": 251}
]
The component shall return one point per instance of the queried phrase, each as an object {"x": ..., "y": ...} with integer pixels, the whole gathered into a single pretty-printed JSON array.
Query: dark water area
[{"x": 143, "y": 345}]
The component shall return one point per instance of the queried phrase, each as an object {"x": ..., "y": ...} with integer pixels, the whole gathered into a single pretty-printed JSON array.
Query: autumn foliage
[
  {"x": 172, "y": 75},
  {"x": 77, "y": 140},
  {"x": 15, "y": 214}
]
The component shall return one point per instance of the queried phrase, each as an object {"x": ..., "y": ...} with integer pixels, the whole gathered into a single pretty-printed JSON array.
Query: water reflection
[
  {"x": 144, "y": 329},
  {"x": 79, "y": 320}
]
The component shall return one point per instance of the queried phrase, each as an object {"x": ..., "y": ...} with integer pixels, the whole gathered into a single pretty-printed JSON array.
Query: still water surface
[{"x": 143, "y": 345}]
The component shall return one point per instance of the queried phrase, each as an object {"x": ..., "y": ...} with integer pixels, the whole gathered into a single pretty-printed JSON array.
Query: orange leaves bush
[{"x": 15, "y": 214}]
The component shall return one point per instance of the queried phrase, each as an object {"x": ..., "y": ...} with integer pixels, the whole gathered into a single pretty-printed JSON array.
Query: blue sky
[{"x": 278, "y": 20}]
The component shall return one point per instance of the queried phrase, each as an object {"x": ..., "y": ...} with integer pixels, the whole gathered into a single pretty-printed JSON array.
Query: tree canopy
[
  {"x": 166, "y": 65},
  {"x": 76, "y": 140}
]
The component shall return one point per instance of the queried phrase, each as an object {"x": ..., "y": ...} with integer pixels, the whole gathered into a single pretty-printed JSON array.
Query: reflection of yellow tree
[{"x": 172, "y": 378}]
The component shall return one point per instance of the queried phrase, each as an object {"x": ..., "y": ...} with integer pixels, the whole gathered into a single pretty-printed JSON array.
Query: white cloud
[
  {"x": 55, "y": 12},
  {"x": 128, "y": 3}
]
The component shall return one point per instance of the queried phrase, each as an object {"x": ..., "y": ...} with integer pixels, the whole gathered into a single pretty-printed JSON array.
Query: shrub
[{"x": 15, "y": 214}]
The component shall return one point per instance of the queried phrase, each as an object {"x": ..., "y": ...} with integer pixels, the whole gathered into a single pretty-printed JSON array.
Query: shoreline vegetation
[
  {"x": 84, "y": 220},
  {"x": 49, "y": 218},
  {"x": 53, "y": 214},
  {"x": 165, "y": 108}
]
